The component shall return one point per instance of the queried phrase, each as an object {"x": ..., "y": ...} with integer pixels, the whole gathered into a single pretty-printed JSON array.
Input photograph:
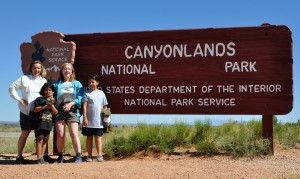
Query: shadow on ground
[{"x": 8, "y": 159}]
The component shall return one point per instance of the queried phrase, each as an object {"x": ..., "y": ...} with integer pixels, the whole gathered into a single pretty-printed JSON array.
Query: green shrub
[
  {"x": 243, "y": 139},
  {"x": 234, "y": 138},
  {"x": 117, "y": 144},
  {"x": 144, "y": 136},
  {"x": 202, "y": 132},
  {"x": 182, "y": 133},
  {"x": 288, "y": 134},
  {"x": 122, "y": 147}
]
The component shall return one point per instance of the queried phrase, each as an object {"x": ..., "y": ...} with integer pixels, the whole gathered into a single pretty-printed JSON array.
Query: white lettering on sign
[
  {"x": 59, "y": 59},
  {"x": 182, "y": 102},
  {"x": 144, "y": 102},
  {"x": 216, "y": 102},
  {"x": 260, "y": 88},
  {"x": 127, "y": 69},
  {"x": 57, "y": 49},
  {"x": 243, "y": 66},
  {"x": 182, "y": 50},
  {"x": 120, "y": 89},
  {"x": 225, "y": 88},
  {"x": 57, "y": 54},
  {"x": 206, "y": 89},
  {"x": 167, "y": 89}
]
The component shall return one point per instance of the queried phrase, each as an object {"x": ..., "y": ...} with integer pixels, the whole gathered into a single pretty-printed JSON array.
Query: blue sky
[{"x": 22, "y": 19}]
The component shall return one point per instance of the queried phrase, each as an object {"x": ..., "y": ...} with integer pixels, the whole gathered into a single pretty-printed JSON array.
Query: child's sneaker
[
  {"x": 21, "y": 160},
  {"x": 89, "y": 159},
  {"x": 48, "y": 159},
  {"x": 78, "y": 160},
  {"x": 100, "y": 159},
  {"x": 41, "y": 161},
  {"x": 60, "y": 159}
]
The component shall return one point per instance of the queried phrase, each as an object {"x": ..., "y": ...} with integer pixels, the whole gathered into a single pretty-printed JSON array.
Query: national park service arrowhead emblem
[{"x": 50, "y": 49}]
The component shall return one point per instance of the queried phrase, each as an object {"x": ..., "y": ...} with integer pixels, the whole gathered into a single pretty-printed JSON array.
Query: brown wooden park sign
[{"x": 240, "y": 70}]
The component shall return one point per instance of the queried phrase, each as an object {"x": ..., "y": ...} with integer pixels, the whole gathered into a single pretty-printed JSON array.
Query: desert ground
[{"x": 285, "y": 163}]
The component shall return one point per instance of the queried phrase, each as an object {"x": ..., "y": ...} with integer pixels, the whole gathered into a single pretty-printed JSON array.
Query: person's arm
[
  {"x": 54, "y": 111},
  {"x": 105, "y": 103},
  {"x": 14, "y": 87},
  {"x": 79, "y": 92},
  {"x": 13, "y": 91},
  {"x": 84, "y": 111},
  {"x": 38, "y": 107}
]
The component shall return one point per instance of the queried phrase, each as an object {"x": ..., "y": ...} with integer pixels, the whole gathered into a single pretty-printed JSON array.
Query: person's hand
[
  {"x": 52, "y": 100},
  {"x": 67, "y": 107},
  {"x": 47, "y": 107},
  {"x": 85, "y": 122},
  {"x": 23, "y": 102}
]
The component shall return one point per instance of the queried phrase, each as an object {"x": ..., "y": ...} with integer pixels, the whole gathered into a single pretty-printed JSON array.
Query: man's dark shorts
[
  {"x": 27, "y": 122},
  {"x": 92, "y": 131}
]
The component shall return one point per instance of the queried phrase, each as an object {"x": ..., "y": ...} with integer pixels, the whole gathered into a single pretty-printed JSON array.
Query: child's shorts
[
  {"x": 86, "y": 131},
  {"x": 41, "y": 134}
]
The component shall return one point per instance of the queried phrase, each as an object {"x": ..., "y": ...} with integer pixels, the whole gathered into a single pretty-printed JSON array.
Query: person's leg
[
  {"x": 43, "y": 147},
  {"x": 73, "y": 129},
  {"x": 38, "y": 141},
  {"x": 89, "y": 148},
  {"x": 45, "y": 142},
  {"x": 39, "y": 144},
  {"x": 89, "y": 145},
  {"x": 26, "y": 125},
  {"x": 98, "y": 141},
  {"x": 40, "y": 149},
  {"x": 89, "y": 142},
  {"x": 60, "y": 135},
  {"x": 22, "y": 141},
  {"x": 60, "y": 139},
  {"x": 46, "y": 150},
  {"x": 46, "y": 156}
]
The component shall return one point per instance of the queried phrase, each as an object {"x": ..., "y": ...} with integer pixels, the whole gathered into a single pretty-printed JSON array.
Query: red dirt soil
[{"x": 283, "y": 164}]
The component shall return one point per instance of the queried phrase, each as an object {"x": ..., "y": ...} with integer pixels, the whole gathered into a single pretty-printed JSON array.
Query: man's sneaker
[
  {"x": 21, "y": 160},
  {"x": 47, "y": 158},
  {"x": 41, "y": 161},
  {"x": 78, "y": 160},
  {"x": 89, "y": 159},
  {"x": 60, "y": 159},
  {"x": 100, "y": 159}
]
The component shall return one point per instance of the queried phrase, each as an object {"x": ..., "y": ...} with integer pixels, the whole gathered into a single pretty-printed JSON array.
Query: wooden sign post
[{"x": 267, "y": 124}]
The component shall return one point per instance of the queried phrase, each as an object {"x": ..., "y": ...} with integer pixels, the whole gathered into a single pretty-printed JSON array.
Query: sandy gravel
[{"x": 283, "y": 164}]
